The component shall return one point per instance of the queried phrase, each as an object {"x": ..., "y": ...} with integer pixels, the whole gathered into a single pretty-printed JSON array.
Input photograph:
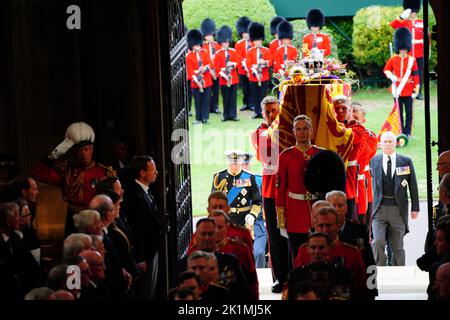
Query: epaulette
[
  {"x": 247, "y": 171},
  {"x": 287, "y": 150},
  {"x": 320, "y": 148},
  {"x": 219, "y": 172},
  {"x": 110, "y": 172},
  {"x": 348, "y": 245}
]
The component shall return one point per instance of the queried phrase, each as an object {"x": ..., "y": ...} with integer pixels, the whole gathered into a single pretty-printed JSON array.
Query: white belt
[
  {"x": 361, "y": 176},
  {"x": 367, "y": 168},
  {"x": 270, "y": 166},
  {"x": 417, "y": 41},
  {"x": 352, "y": 163},
  {"x": 298, "y": 196}
]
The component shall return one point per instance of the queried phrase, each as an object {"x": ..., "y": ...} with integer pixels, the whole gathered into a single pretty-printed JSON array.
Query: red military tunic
[
  {"x": 344, "y": 255},
  {"x": 416, "y": 28},
  {"x": 398, "y": 66},
  {"x": 219, "y": 65},
  {"x": 78, "y": 184},
  {"x": 322, "y": 40},
  {"x": 291, "y": 193},
  {"x": 192, "y": 65},
  {"x": 274, "y": 45},
  {"x": 267, "y": 153},
  {"x": 358, "y": 133},
  {"x": 251, "y": 61},
  {"x": 242, "y": 46},
  {"x": 290, "y": 52},
  {"x": 212, "y": 48},
  {"x": 368, "y": 151}
]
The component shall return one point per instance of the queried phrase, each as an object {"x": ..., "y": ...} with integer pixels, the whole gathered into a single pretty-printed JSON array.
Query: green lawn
[{"x": 208, "y": 142}]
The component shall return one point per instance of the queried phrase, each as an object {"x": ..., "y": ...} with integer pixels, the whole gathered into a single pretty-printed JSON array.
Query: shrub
[
  {"x": 227, "y": 12},
  {"x": 372, "y": 34}
]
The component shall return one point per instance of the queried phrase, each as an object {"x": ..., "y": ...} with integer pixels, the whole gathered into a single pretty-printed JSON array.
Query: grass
[{"x": 208, "y": 142}]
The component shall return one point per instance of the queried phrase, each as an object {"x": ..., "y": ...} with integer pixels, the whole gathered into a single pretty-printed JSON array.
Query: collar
[
  {"x": 234, "y": 175},
  {"x": 90, "y": 166},
  {"x": 343, "y": 225},
  {"x": 105, "y": 230},
  {"x": 334, "y": 243},
  {"x": 304, "y": 150},
  {"x": 143, "y": 186},
  {"x": 393, "y": 156},
  {"x": 5, "y": 237},
  {"x": 93, "y": 284},
  {"x": 19, "y": 233}
]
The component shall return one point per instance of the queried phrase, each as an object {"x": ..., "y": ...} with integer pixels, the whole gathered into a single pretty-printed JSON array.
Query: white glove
[
  {"x": 405, "y": 14},
  {"x": 284, "y": 233},
  {"x": 61, "y": 148},
  {"x": 414, "y": 95},
  {"x": 393, "y": 77},
  {"x": 249, "y": 220}
]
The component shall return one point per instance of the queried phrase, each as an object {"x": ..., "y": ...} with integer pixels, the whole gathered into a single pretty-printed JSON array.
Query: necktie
[{"x": 389, "y": 167}]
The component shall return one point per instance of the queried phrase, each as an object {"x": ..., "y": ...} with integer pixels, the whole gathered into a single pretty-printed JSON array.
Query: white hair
[
  {"x": 42, "y": 293},
  {"x": 388, "y": 134},
  {"x": 85, "y": 219},
  {"x": 341, "y": 99},
  {"x": 75, "y": 243},
  {"x": 335, "y": 193}
]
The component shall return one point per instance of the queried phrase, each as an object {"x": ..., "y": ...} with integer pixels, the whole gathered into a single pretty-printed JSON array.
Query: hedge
[
  {"x": 372, "y": 34},
  {"x": 227, "y": 12}
]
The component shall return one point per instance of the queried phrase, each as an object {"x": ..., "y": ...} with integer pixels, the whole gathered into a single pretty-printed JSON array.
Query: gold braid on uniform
[
  {"x": 77, "y": 185},
  {"x": 222, "y": 186},
  {"x": 110, "y": 172},
  {"x": 281, "y": 218}
]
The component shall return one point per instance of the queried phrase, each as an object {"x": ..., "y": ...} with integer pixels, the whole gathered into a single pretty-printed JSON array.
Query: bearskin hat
[
  {"x": 325, "y": 172},
  {"x": 285, "y": 30},
  {"x": 242, "y": 25},
  {"x": 315, "y": 18},
  {"x": 225, "y": 34},
  {"x": 274, "y": 24},
  {"x": 402, "y": 39},
  {"x": 256, "y": 31},
  {"x": 414, "y": 5},
  {"x": 208, "y": 27},
  {"x": 194, "y": 37}
]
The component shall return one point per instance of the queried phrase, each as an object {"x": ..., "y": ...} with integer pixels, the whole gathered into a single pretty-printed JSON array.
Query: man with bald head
[
  {"x": 97, "y": 289},
  {"x": 393, "y": 175},
  {"x": 442, "y": 282}
]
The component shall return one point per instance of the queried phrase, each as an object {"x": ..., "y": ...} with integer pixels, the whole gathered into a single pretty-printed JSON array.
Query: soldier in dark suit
[
  {"x": 241, "y": 189},
  {"x": 139, "y": 207},
  {"x": 393, "y": 175}
]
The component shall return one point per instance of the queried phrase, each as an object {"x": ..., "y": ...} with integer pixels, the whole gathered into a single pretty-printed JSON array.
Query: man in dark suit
[
  {"x": 393, "y": 174},
  {"x": 141, "y": 212}
]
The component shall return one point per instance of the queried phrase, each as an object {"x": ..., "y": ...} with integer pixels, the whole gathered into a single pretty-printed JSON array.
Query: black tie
[{"x": 389, "y": 167}]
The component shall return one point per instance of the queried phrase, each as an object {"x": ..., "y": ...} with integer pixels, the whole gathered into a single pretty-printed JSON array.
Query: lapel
[
  {"x": 398, "y": 163},
  {"x": 378, "y": 170}
]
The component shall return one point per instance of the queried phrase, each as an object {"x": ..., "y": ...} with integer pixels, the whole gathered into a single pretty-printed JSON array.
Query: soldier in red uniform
[
  {"x": 341, "y": 254},
  {"x": 208, "y": 29},
  {"x": 78, "y": 179},
  {"x": 343, "y": 111},
  {"x": 236, "y": 248},
  {"x": 286, "y": 53},
  {"x": 267, "y": 152},
  {"x": 199, "y": 64},
  {"x": 402, "y": 70},
  {"x": 226, "y": 61},
  {"x": 315, "y": 21},
  {"x": 276, "y": 42},
  {"x": 293, "y": 201},
  {"x": 365, "y": 193},
  {"x": 258, "y": 61},
  {"x": 408, "y": 19},
  {"x": 242, "y": 46}
]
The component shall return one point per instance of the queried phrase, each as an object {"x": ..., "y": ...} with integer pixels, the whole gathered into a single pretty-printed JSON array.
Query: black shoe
[
  {"x": 244, "y": 108},
  {"x": 223, "y": 120},
  {"x": 419, "y": 97},
  {"x": 234, "y": 119},
  {"x": 257, "y": 116},
  {"x": 216, "y": 111},
  {"x": 277, "y": 287},
  {"x": 205, "y": 122}
]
